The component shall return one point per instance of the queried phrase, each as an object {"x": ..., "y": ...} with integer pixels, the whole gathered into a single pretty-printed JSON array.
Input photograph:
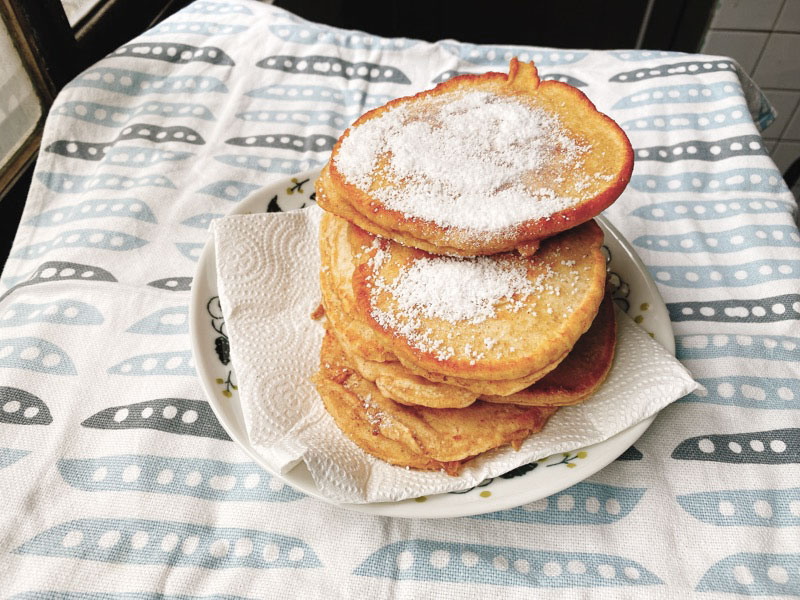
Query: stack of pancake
[{"x": 462, "y": 277}]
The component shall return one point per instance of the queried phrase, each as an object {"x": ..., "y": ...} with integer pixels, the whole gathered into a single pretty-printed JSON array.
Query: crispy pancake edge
[
  {"x": 573, "y": 381},
  {"x": 482, "y": 427},
  {"x": 522, "y": 78},
  {"x": 535, "y": 365},
  {"x": 358, "y": 338}
]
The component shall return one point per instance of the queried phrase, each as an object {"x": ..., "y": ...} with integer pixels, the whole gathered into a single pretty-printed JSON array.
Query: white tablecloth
[{"x": 117, "y": 481}]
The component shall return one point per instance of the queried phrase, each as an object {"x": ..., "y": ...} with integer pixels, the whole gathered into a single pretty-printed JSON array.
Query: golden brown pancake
[
  {"x": 581, "y": 373},
  {"x": 401, "y": 385},
  {"x": 576, "y": 378},
  {"x": 334, "y": 204},
  {"x": 480, "y": 164},
  {"x": 340, "y": 245},
  {"x": 485, "y": 318},
  {"x": 337, "y": 264},
  {"x": 417, "y": 437}
]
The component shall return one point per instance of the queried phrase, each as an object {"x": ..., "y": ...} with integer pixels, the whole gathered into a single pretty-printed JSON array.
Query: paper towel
[{"x": 268, "y": 283}]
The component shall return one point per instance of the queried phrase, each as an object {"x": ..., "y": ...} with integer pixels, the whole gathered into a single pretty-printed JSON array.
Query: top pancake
[
  {"x": 485, "y": 317},
  {"x": 480, "y": 164}
]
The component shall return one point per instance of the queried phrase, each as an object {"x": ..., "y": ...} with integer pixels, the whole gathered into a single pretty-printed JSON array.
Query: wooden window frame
[
  {"x": 26, "y": 43},
  {"x": 53, "y": 53}
]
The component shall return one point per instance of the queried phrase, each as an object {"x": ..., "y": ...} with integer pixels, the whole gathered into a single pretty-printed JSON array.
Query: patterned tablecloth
[{"x": 116, "y": 480}]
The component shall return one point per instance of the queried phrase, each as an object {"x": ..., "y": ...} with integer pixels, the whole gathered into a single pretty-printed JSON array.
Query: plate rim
[{"x": 405, "y": 508}]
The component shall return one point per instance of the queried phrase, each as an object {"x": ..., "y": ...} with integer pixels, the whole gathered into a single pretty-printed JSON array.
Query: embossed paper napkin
[{"x": 268, "y": 280}]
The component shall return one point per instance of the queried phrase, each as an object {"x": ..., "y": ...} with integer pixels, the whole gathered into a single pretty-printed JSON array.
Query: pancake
[
  {"x": 417, "y": 437},
  {"x": 336, "y": 205},
  {"x": 337, "y": 264},
  {"x": 486, "y": 318},
  {"x": 341, "y": 245},
  {"x": 581, "y": 373},
  {"x": 481, "y": 164},
  {"x": 399, "y": 384},
  {"x": 576, "y": 378}
]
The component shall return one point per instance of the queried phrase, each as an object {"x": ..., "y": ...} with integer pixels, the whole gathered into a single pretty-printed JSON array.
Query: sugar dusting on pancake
[
  {"x": 469, "y": 160},
  {"x": 452, "y": 289}
]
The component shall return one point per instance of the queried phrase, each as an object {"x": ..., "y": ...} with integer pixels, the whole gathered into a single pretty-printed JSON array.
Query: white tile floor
[
  {"x": 779, "y": 66},
  {"x": 746, "y": 14},
  {"x": 785, "y": 102},
  {"x": 743, "y": 46},
  {"x": 763, "y": 36}
]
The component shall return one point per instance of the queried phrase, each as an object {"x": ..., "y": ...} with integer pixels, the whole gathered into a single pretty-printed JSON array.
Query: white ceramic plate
[{"x": 636, "y": 293}]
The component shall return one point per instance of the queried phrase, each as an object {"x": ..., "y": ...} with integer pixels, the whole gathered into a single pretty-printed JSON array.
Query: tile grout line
[
  {"x": 797, "y": 106},
  {"x": 760, "y": 55},
  {"x": 740, "y": 30},
  {"x": 768, "y": 31},
  {"x": 766, "y": 42},
  {"x": 778, "y": 14},
  {"x": 761, "y": 51},
  {"x": 772, "y": 89},
  {"x": 794, "y": 111}
]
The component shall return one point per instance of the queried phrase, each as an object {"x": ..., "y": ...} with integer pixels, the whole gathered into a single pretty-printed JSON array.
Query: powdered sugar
[
  {"x": 456, "y": 290},
  {"x": 462, "y": 160},
  {"x": 375, "y": 416}
]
